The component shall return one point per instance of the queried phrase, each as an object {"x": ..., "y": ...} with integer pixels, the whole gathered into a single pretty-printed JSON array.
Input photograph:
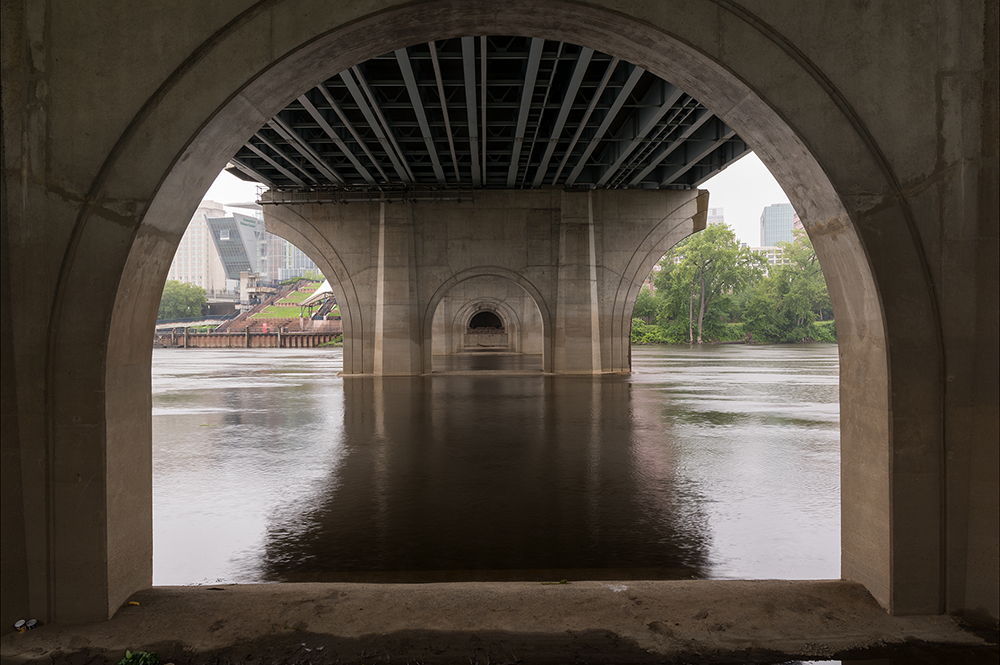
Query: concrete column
[
  {"x": 577, "y": 329},
  {"x": 397, "y": 343}
]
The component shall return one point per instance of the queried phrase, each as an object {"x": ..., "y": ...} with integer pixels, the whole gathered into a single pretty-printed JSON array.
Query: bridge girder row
[{"x": 490, "y": 112}]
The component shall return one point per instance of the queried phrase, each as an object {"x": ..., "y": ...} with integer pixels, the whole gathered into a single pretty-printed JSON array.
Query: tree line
[
  {"x": 181, "y": 301},
  {"x": 712, "y": 288}
]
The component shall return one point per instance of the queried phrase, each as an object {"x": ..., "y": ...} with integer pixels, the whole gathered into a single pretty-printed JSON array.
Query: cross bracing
[{"x": 493, "y": 112}]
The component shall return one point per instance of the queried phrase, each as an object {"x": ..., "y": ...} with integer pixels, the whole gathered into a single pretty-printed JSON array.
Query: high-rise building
[
  {"x": 217, "y": 247},
  {"x": 241, "y": 242},
  {"x": 197, "y": 259},
  {"x": 285, "y": 260},
  {"x": 776, "y": 224}
]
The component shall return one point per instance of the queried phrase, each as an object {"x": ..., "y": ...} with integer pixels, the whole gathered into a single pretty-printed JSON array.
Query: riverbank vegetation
[
  {"x": 711, "y": 288},
  {"x": 180, "y": 300}
]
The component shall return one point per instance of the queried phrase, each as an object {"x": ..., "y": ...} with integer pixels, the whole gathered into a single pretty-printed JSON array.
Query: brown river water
[{"x": 715, "y": 462}]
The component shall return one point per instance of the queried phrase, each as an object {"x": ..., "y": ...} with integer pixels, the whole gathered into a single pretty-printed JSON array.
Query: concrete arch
[
  {"x": 657, "y": 242},
  {"x": 120, "y": 220},
  {"x": 511, "y": 322},
  {"x": 285, "y": 222},
  {"x": 427, "y": 317}
]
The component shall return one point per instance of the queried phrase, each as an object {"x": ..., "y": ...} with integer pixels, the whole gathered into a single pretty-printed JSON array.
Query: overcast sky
[{"x": 742, "y": 190}]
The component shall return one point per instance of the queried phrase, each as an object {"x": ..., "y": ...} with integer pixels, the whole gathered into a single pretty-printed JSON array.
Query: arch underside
[{"x": 95, "y": 539}]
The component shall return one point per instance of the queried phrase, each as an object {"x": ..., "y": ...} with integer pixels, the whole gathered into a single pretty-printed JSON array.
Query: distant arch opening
[{"x": 486, "y": 319}]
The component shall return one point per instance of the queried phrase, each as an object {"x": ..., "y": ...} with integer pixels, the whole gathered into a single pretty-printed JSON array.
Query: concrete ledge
[{"x": 633, "y": 622}]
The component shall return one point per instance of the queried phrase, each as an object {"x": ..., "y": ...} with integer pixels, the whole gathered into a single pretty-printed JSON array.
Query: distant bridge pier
[{"x": 579, "y": 257}]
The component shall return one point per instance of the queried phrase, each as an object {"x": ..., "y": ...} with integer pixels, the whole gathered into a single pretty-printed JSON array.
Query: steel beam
[
  {"x": 609, "y": 117},
  {"x": 295, "y": 163},
  {"x": 702, "y": 116},
  {"x": 350, "y": 128},
  {"x": 527, "y": 91},
  {"x": 267, "y": 158},
  {"x": 444, "y": 109},
  {"x": 579, "y": 70},
  {"x": 586, "y": 117},
  {"x": 337, "y": 141},
  {"x": 595, "y": 129},
  {"x": 694, "y": 151},
  {"x": 741, "y": 151},
  {"x": 469, "y": 69},
  {"x": 347, "y": 77},
  {"x": 304, "y": 149},
  {"x": 418, "y": 109},
  {"x": 648, "y": 116},
  {"x": 482, "y": 84}
]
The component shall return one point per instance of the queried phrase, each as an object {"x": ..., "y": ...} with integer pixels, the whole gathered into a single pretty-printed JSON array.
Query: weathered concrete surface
[
  {"x": 698, "y": 621},
  {"x": 880, "y": 121},
  {"x": 579, "y": 257}
]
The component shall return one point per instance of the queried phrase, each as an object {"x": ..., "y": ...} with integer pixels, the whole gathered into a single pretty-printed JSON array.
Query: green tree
[
  {"x": 181, "y": 301},
  {"x": 702, "y": 272},
  {"x": 642, "y": 333},
  {"x": 645, "y": 305},
  {"x": 806, "y": 283},
  {"x": 787, "y": 304},
  {"x": 801, "y": 291}
]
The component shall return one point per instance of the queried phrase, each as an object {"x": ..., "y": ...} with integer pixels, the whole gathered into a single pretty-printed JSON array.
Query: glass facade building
[{"x": 776, "y": 223}]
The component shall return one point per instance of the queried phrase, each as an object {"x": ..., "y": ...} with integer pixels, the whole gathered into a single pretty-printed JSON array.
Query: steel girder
[{"x": 494, "y": 112}]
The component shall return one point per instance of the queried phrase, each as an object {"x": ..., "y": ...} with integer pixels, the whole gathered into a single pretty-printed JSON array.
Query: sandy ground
[{"x": 480, "y": 623}]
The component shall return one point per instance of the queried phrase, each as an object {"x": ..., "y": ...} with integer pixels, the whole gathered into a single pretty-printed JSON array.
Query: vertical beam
[
  {"x": 469, "y": 68},
  {"x": 350, "y": 128},
  {"x": 586, "y": 117},
  {"x": 527, "y": 91},
  {"x": 595, "y": 320},
  {"x": 397, "y": 345},
  {"x": 482, "y": 83},
  {"x": 380, "y": 293},
  {"x": 579, "y": 70},
  {"x": 623, "y": 94},
  {"x": 337, "y": 141},
  {"x": 385, "y": 140},
  {"x": 444, "y": 109},
  {"x": 403, "y": 58}
]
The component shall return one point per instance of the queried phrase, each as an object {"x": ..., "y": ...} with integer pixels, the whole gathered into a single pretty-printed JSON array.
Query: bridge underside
[
  {"x": 566, "y": 265},
  {"x": 878, "y": 119},
  {"x": 487, "y": 112}
]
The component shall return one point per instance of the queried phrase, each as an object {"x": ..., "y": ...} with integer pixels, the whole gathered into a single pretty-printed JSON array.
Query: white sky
[{"x": 742, "y": 190}]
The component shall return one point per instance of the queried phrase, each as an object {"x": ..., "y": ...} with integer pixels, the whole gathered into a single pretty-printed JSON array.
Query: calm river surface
[{"x": 716, "y": 462}]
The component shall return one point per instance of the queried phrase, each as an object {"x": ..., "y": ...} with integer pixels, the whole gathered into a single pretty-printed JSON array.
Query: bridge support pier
[{"x": 580, "y": 256}]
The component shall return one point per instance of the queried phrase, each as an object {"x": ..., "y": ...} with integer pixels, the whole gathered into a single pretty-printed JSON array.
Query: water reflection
[
  {"x": 462, "y": 477},
  {"x": 718, "y": 462}
]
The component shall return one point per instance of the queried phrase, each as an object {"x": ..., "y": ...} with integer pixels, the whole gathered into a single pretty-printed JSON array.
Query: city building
[
  {"x": 776, "y": 222},
  {"x": 241, "y": 242},
  {"x": 217, "y": 247},
  {"x": 775, "y": 255},
  {"x": 284, "y": 260},
  {"x": 197, "y": 259},
  {"x": 716, "y": 216}
]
